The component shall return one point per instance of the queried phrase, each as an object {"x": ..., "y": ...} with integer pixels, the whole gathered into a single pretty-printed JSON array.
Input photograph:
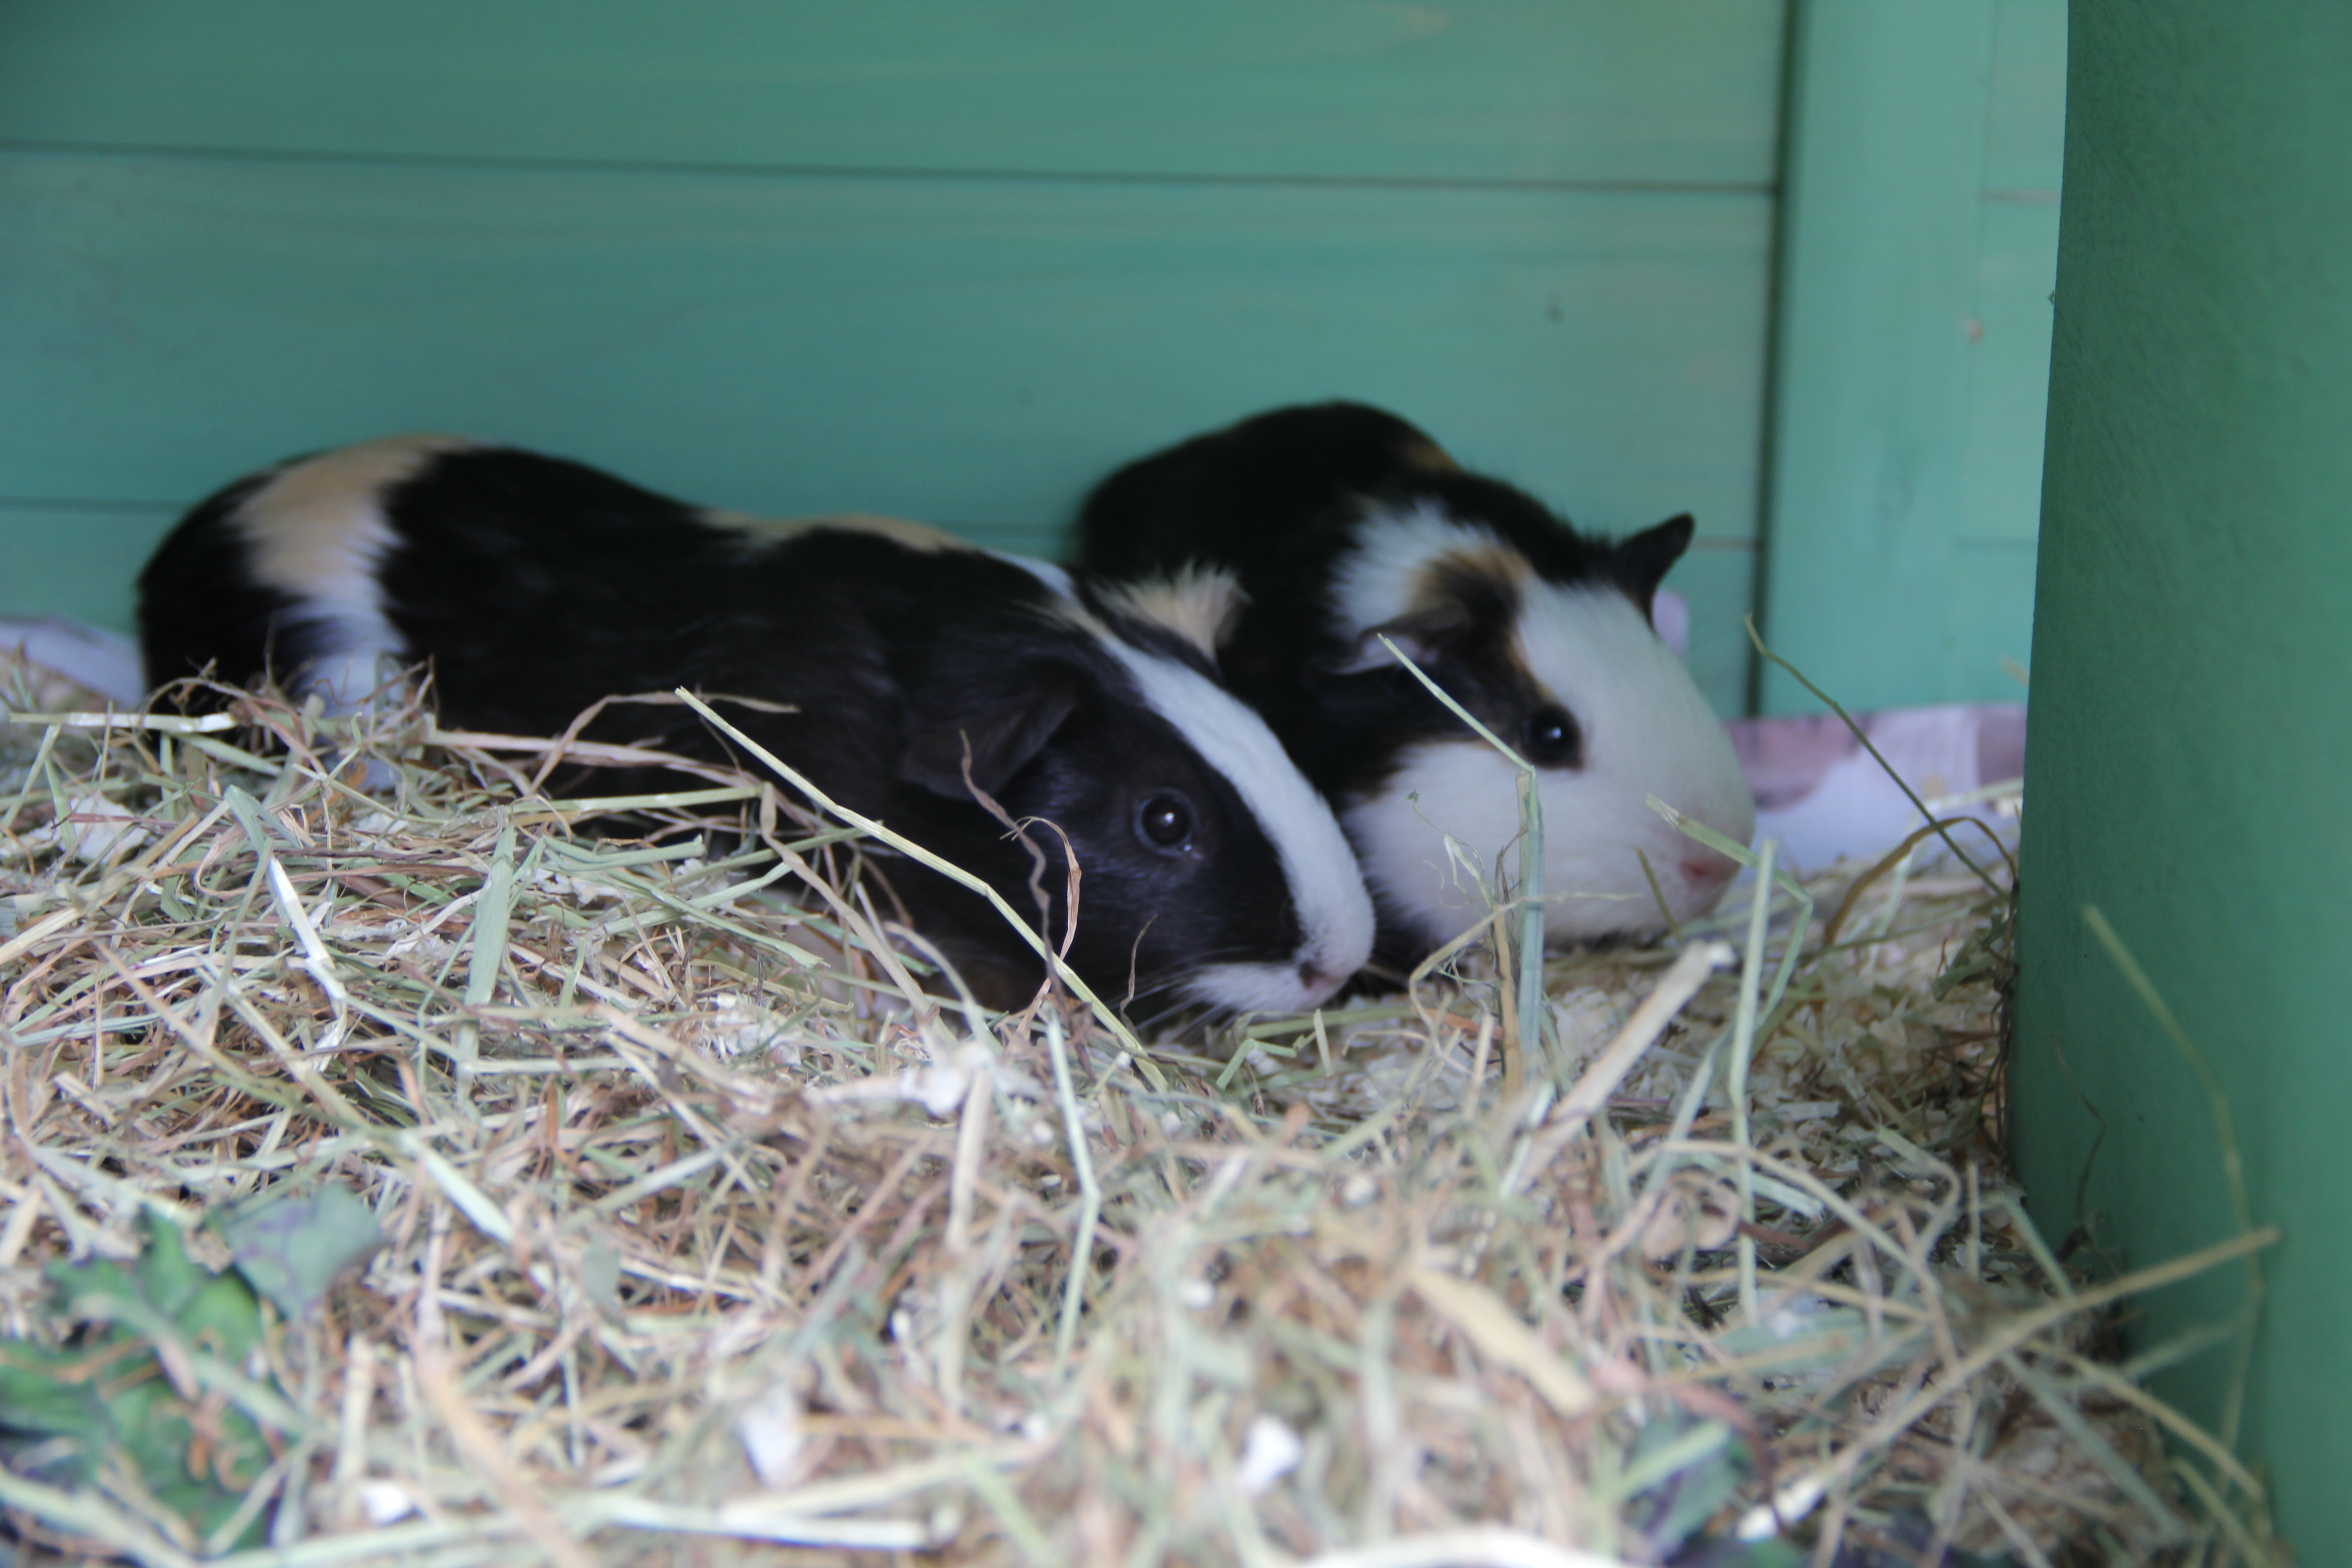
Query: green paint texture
[
  {"x": 2192, "y": 656},
  {"x": 956, "y": 258},
  {"x": 1918, "y": 240},
  {"x": 949, "y": 259}
]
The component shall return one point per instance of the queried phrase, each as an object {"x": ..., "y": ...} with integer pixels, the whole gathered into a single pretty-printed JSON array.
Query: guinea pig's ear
[
  {"x": 1422, "y": 633},
  {"x": 1004, "y": 728},
  {"x": 1640, "y": 563}
]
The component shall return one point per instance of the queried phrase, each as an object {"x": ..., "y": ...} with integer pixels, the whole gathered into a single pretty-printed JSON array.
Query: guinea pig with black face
[
  {"x": 1212, "y": 872},
  {"x": 1343, "y": 523}
]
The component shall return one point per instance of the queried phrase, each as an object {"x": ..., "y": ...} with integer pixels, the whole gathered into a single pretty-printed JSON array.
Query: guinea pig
[
  {"x": 1343, "y": 523},
  {"x": 1213, "y": 873}
]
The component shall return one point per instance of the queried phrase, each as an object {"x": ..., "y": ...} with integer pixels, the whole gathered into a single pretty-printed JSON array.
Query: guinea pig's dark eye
[
  {"x": 1165, "y": 821},
  {"x": 1551, "y": 739}
]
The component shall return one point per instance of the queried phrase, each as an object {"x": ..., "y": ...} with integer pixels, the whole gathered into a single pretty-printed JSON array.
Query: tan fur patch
[
  {"x": 1197, "y": 603},
  {"x": 1498, "y": 562},
  {"x": 1428, "y": 457},
  {"x": 317, "y": 525},
  {"x": 1434, "y": 589},
  {"x": 913, "y": 535}
]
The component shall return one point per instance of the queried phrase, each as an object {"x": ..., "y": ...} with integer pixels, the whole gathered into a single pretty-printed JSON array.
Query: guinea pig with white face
[
  {"x": 1343, "y": 523},
  {"x": 1212, "y": 872}
]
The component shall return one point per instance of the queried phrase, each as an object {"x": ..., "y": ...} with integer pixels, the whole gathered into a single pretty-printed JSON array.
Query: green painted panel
[
  {"x": 2190, "y": 730},
  {"x": 2025, "y": 129},
  {"x": 1988, "y": 621},
  {"x": 2191, "y": 734},
  {"x": 960, "y": 350},
  {"x": 75, "y": 560},
  {"x": 1887, "y": 142},
  {"x": 1670, "y": 90},
  {"x": 2009, "y": 372},
  {"x": 971, "y": 352}
]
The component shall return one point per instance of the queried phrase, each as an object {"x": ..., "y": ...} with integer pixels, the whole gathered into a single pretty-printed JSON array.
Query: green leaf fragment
[
  {"x": 292, "y": 1244},
  {"x": 104, "y": 1400}
]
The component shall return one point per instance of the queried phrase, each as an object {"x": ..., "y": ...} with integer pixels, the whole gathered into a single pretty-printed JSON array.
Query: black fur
[
  {"x": 1277, "y": 500},
  {"x": 199, "y": 609},
  {"x": 537, "y": 586},
  {"x": 1261, "y": 495}
]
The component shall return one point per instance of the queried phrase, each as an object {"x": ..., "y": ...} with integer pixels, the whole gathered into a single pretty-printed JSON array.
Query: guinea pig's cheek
[
  {"x": 1464, "y": 790},
  {"x": 1598, "y": 833}
]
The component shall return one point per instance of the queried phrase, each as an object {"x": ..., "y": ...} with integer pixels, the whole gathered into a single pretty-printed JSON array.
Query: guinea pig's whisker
[
  {"x": 1166, "y": 989},
  {"x": 1145, "y": 1025},
  {"x": 1194, "y": 961},
  {"x": 1156, "y": 988},
  {"x": 1203, "y": 1012}
]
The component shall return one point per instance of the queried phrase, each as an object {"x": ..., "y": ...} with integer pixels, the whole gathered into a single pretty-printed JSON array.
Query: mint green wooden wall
[
  {"x": 2192, "y": 736},
  {"x": 1912, "y": 374},
  {"x": 945, "y": 258}
]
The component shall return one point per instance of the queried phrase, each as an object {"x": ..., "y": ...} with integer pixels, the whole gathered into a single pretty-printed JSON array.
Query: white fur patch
[
  {"x": 1262, "y": 987},
  {"x": 1054, "y": 577},
  {"x": 1379, "y": 580},
  {"x": 1334, "y": 911},
  {"x": 1646, "y": 730},
  {"x": 317, "y": 532}
]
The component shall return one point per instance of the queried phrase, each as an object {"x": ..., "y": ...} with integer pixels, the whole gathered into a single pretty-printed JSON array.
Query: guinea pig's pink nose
[{"x": 1704, "y": 869}]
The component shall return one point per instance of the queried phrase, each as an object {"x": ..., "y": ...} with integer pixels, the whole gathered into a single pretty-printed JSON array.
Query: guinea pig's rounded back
[
  {"x": 1227, "y": 496},
  {"x": 278, "y": 573}
]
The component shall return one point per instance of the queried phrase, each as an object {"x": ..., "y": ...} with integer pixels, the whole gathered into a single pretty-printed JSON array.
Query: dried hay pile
[{"x": 629, "y": 1199}]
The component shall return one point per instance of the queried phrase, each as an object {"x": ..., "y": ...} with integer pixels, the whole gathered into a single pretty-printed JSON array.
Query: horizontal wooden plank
[
  {"x": 2025, "y": 124},
  {"x": 1669, "y": 90},
  {"x": 2008, "y": 373},
  {"x": 973, "y": 352},
  {"x": 75, "y": 560}
]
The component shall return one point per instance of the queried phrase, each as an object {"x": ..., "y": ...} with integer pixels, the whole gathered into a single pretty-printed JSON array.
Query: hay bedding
[{"x": 627, "y": 1198}]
